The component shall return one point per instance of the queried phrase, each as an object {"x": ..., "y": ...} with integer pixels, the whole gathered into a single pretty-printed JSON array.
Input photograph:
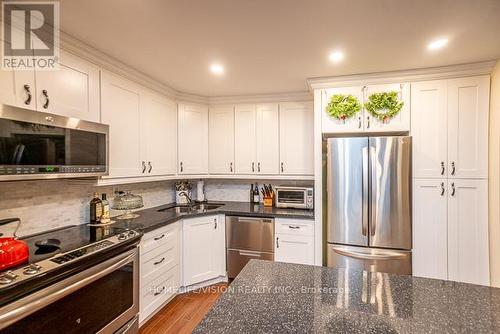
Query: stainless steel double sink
[{"x": 195, "y": 208}]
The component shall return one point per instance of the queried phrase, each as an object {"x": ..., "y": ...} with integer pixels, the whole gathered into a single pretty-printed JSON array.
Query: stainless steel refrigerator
[{"x": 369, "y": 203}]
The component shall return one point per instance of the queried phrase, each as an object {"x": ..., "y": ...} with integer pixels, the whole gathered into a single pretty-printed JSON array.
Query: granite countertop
[
  {"x": 153, "y": 218},
  {"x": 273, "y": 297}
]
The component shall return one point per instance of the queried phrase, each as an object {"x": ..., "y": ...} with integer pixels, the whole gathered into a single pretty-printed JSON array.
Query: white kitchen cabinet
[
  {"x": 294, "y": 240},
  {"x": 400, "y": 122},
  {"x": 158, "y": 131},
  {"x": 159, "y": 269},
  {"x": 296, "y": 138},
  {"x": 333, "y": 125},
  {"x": 430, "y": 228},
  {"x": 203, "y": 249},
  {"x": 267, "y": 133},
  {"x": 72, "y": 90},
  {"x": 245, "y": 138},
  {"x": 221, "y": 139},
  {"x": 120, "y": 108},
  {"x": 193, "y": 139},
  {"x": 429, "y": 128},
  {"x": 468, "y": 247},
  {"x": 468, "y": 110}
]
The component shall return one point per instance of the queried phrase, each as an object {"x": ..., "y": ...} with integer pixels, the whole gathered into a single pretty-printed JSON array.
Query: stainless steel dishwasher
[{"x": 248, "y": 238}]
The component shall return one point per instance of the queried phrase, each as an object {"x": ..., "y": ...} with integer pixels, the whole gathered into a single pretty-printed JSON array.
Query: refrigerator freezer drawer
[
  {"x": 369, "y": 259},
  {"x": 237, "y": 259}
]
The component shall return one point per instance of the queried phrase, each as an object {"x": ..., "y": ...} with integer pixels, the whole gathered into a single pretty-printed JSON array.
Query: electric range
[{"x": 85, "y": 260}]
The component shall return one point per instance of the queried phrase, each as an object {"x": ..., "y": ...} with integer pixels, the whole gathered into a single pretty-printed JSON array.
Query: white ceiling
[{"x": 272, "y": 46}]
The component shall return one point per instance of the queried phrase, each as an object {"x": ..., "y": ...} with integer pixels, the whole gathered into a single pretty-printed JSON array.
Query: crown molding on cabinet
[
  {"x": 262, "y": 98},
  {"x": 423, "y": 74}
]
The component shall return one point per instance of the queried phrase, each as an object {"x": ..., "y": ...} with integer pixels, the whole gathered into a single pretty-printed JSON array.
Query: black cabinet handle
[
  {"x": 47, "y": 100},
  {"x": 160, "y": 237},
  {"x": 442, "y": 188},
  {"x": 442, "y": 168},
  {"x": 28, "y": 92},
  {"x": 293, "y": 227},
  {"x": 277, "y": 242},
  {"x": 231, "y": 167},
  {"x": 453, "y": 168},
  {"x": 150, "y": 167},
  {"x": 182, "y": 167},
  {"x": 453, "y": 189},
  {"x": 215, "y": 224},
  {"x": 159, "y": 292},
  {"x": 367, "y": 122},
  {"x": 158, "y": 262},
  {"x": 253, "y": 167},
  {"x": 258, "y": 167},
  {"x": 282, "y": 169},
  {"x": 359, "y": 122},
  {"x": 143, "y": 167}
]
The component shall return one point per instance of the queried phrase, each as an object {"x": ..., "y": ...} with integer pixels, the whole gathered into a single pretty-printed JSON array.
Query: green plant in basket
[
  {"x": 343, "y": 107},
  {"x": 384, "y": 106}
]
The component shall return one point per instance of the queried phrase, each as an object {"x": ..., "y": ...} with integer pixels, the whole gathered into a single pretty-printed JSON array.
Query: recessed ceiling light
[
  {"x": 336, "y": 56},
  {"x": 217, "y": 69},
  {"x": 437, "y": 44}
]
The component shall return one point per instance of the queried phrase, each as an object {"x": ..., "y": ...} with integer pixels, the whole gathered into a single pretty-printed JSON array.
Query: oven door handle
[{"x": 23, "y": 307}]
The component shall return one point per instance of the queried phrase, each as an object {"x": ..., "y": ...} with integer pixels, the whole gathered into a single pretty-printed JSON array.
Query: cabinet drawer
[
  {"x": 159, "y": 237},
  {"x": 153, "y": 295},
  {"x": 301, "y": 227},
  {"x": 162, "y": 259}
]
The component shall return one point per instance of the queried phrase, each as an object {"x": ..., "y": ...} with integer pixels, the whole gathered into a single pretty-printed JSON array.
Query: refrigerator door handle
[
  {"x": 373, "y": 190},
  {"x": 381, "y": 255},
  {"x": 364, "y": 223}
]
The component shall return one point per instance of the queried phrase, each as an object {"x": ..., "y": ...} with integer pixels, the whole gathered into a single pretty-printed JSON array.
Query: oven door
[{"x": 101, "y": 299}]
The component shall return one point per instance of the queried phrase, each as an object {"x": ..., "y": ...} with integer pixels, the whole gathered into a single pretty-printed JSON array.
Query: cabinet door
[
  {"x": 468, "y": 110},
  {"x": 72, "y": 90},
  {"x": 193, "y": 139},
  {"x": 245, "y": 141},
  {"x": 430, "y": 228},
  {"x": 429, "y": 128},
  {"x": 268, "y": 148},
  {"x": 333, "y": 125},
  {"x": 400, "y": 122},
  {"x": 17, "y": 88},
  {"x": 468, "y": 248},
  {"x": 296, "y": 138},
  {"x": 120, "y": 109},
  {"x": 201, "y": 248},
  {"x": 221, "y": 139},
  {"x": 294, "y": 249},
  {"x": 158, "y": 135}
]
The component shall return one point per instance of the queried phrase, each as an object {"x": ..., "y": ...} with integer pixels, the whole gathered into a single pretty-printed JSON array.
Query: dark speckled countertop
[
  {"x": 272, "y": 297},
  {"x": 153, "y": 218}
]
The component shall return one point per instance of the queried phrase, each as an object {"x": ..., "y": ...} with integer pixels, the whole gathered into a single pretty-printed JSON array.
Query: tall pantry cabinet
[{"x": 450, "y": 189}]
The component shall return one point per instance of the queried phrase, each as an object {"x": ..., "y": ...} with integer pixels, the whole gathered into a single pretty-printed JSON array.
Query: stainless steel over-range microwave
[
  {"x": 295, "y": 197},
  {"x": 37, "y": 145}
]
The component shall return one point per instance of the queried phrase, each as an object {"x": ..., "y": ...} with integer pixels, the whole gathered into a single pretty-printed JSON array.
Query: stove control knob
[
  {"x": 32, "y": 269},
  {"x": 122, "y": 236},
  {"x": 131, "y": 233},
  {"x": 7, "y": 278}
]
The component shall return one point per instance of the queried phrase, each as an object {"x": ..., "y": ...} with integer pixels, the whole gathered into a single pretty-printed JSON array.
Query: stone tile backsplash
[{"x": 50, "y": 204}]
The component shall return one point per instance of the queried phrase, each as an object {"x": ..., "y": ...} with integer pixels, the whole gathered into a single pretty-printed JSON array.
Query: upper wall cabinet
[
  {"x": 450, "y": 128},
  {"x": 346, "y": 100},
  {"x": 72, "y": 90},
  {"x": 193, "y": 139},
  {"x": 257, "y": 138},
  {"x": 221, "y": 139},
  {"x": 429, "y": 128},
  {"x": 121, "y": 110},
  {"x": 353, "y": 124},
  {"x": 468, "y": 110},
  {"x": 296, "y": 138},
  {"x": 158, "y": 131},
  {"x": 399, "y": 122}
]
